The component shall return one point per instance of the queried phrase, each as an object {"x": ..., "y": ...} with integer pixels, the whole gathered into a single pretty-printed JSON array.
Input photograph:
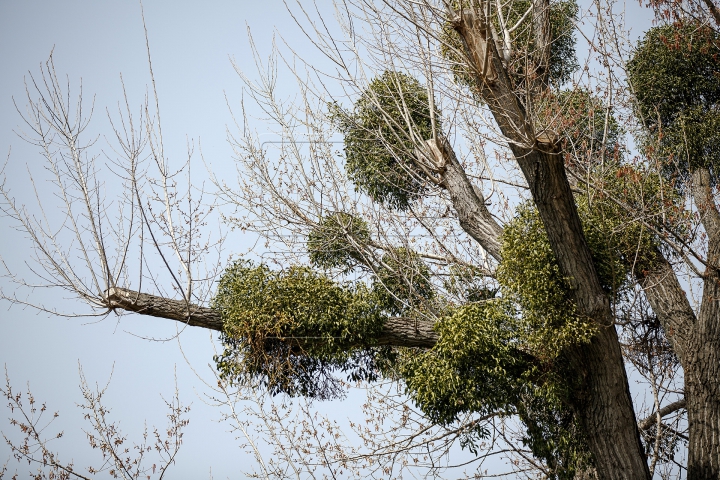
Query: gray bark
[
  {"x": 398, "y": 331},
  {"x": 702, "y": 353},
  {"x": 155, "y": 306},
  {"x": 605, "y": 407},
  {"x": 468, "y": 202},
  {"x": 670, "y": 303},
  {"x": 664, "y": 411},
  {"x": 543, "y": 40}
]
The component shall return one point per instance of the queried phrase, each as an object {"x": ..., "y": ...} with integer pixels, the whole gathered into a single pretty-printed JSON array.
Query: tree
[
  {"x": 518, "y": 314},
  {"x": 120, "y": 458}
]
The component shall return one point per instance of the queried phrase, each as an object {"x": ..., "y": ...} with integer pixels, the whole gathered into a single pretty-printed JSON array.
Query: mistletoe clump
[
  {"x": 389, "y": 121},
  {"x": 290, "y": 329},
  {"x": 530, "y": 276},
  {"x": 337, "y": 240},
  {"x": 563, "y": 59},
  {"x": 481, "y": 366},
  {"x": 674, "y": 73}
]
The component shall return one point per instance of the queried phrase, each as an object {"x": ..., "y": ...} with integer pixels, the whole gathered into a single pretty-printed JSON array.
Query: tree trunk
[
  {"x": 702, "y": 364},
  {"x": 702, "y": 393},
  {"x": 604, "y": 407}
]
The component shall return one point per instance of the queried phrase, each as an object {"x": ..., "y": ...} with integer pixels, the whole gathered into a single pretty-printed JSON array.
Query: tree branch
[
  {"x": 155, "y": 306},
  {"x": 468, "y": 201},
  {"x": 669, "y": 302},
  {"x": 665, "y": 411},
  {"x": 397, "y": 331}
]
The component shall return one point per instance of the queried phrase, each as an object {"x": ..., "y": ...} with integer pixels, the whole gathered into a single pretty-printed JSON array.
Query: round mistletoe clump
[
  {"x": 675, "y": 74},
  {"x": 390, "y": 120},
  {"x": 336, "y": 241}
]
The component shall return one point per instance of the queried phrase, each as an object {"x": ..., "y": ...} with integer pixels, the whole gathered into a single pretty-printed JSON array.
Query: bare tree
[
  {"x": 505, "y": 128},
  {"x": 120, "y": 458}
]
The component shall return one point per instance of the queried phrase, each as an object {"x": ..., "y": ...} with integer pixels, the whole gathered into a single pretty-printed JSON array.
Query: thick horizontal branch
[
  {"x": 664, "y": 411},
  {"x": 397, "y": 332},
  {"x": 154, "y": 306},
  {"x": 408, "y": 332}
]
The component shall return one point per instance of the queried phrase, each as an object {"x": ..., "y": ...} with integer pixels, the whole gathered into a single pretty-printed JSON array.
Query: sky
[{"x": 95, "y": 42}]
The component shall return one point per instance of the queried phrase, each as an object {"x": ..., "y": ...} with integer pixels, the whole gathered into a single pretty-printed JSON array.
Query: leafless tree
[{"x": 120, "y": 458}]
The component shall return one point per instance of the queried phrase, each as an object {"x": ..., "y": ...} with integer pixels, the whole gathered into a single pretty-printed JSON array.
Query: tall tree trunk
[
  {"x": 604, "y": 407},
  {"x": 702, "y": 363},
  {"x": 702, "y": 394}
]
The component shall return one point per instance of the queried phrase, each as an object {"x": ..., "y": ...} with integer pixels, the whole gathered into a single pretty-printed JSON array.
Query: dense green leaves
[
  {"x": 337, "y": 240},
  {"x": 475, "y": 367},
  {"x": 389, "y": 121},
  {"x": 482, "y": 365},
  {"x": 290, "y": 328},
  {"x": 530, "y": 276},
  {"x": 675, "y": 75}
]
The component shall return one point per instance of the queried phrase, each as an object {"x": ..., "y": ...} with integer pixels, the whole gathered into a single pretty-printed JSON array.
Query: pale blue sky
[{"x": 96, "y": 41}]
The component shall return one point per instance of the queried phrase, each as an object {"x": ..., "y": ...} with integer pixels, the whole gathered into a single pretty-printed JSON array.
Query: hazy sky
[{"x": 96, "y": 41}]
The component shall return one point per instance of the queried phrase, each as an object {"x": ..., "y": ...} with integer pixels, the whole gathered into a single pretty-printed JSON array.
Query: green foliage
[
  {"x": 402, "y": 282},
  {"x": 481, "y": 366},
  {"x": 476, "y": 366},
  {"x": 505, "y": 354},
  {"x": 290, "y": 329},
  {"x": 389, "y": 120},
  {"x": 530, "y": 276},
  {"x": 563, "y": 61},
  {"x": 334, "y": 242},
  {"x": 621, "y": 245},
  {"x": 675, "y": 73}
]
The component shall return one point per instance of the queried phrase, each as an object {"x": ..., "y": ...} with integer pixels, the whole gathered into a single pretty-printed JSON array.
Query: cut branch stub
[
  {"x": 155, "y": 306},
  {"x": 477, "y": 44}
]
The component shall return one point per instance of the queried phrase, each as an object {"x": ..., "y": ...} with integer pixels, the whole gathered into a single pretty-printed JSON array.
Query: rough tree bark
[
  {"x": 605, "y": 410},
  {"x": 702, "y": 353},
  {"x": 468, "y": 201}
]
